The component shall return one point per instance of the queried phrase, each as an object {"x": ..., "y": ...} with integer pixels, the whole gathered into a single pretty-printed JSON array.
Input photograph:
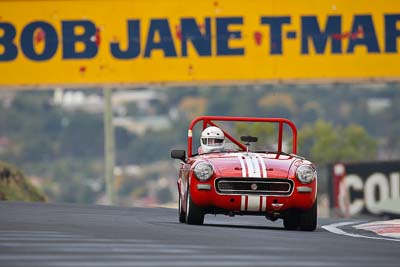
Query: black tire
[
  {"x": 308, "y": 219},
  {"x": 194, "y": 214},
  {"x": 291, "y": 221},
  {"x": 182, "y": 215}
]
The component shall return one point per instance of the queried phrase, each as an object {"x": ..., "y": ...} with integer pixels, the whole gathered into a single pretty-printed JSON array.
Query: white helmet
[{"x": 212, "y": 139}]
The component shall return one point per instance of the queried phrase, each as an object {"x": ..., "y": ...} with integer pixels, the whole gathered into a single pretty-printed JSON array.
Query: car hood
[{"x": 248, "y": 164}]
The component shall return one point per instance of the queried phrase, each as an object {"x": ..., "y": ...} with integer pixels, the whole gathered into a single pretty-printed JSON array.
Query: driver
[{"x": 212, "y": 140}]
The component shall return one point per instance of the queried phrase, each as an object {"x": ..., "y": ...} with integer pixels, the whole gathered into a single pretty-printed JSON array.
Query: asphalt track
[{"x": 36, "y": 234}]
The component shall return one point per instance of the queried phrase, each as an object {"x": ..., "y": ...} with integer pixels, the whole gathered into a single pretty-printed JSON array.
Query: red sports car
[{"x": 234, "y": 177}]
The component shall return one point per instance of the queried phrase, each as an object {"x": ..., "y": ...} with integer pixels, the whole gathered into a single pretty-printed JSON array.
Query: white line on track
[
  {"x": 133, "y": 257},
  {"x": 334, "y": 228},
  {"x": 185, "y": 263},
  {"x": 27, "y": 232}
]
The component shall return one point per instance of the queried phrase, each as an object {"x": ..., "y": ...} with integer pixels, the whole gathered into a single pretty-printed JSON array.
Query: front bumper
[{"x": 209, "y": 196}]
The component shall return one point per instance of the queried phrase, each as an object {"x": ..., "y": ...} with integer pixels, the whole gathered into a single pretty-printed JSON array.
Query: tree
[
  {"x": 323, "y": 143},
  {"x": 357, "y": 144},
  {"x": 265, "y": 132},
  {"x": 193, "y": 106},
  {"x": 278, "y": 105}
]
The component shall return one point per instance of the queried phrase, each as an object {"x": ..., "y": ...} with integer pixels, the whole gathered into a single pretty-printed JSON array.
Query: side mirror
[{"x": 178, "y": 154}]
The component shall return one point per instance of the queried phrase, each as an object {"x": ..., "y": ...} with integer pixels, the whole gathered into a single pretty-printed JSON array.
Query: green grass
[{"x": 15, "y": 187}]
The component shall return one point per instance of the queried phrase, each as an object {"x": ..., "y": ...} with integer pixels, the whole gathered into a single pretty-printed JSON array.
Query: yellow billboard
[{"x": 140, "y": 41}]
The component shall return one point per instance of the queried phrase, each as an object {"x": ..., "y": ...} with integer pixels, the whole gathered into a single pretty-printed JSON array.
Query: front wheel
[
  {"x": 308, "y": 219},
  {"x": 194, "y": 214},
  {"x": 291, "y": 221},
  {"x": 182, "y": 215}
]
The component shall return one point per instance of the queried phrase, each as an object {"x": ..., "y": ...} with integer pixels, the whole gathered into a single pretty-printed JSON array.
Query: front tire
[
  {"x": 182, "y": 215},
  {"x": 291, "y": 221},
  {"x": 194, "y": 214},
  {"x": 308, "y": 219}
]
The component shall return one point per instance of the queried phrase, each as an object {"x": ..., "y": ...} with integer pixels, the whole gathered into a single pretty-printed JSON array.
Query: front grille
[{"x": 254, "y": 186}]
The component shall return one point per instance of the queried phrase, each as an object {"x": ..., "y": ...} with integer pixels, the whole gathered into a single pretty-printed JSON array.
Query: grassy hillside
[{"x": 14, "y": 186}]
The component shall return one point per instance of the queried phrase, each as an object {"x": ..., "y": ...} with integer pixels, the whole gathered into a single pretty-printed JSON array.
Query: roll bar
[{"x": 209, "y": 120}]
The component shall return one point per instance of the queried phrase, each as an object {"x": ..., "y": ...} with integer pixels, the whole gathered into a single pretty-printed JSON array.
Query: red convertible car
[{"x": 231, "y": 177}]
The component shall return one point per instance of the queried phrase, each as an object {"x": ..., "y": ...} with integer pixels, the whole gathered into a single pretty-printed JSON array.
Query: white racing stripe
[
  {"x": 334, "y": 228},
  {"x": 263, "y": 203},
  {"x": 252, "y": 165},
  {"x": 243, "y": 203},
  {"x": 242, "y": 165},
  {"x": 253, "y": 203},
  {"x": 256, "y": 164},
  {"x": 263, "y": 168}
]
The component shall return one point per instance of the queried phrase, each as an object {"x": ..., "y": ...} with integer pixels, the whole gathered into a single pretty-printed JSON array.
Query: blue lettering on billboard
[
  {"x": 314, "y": 35},
  {"x": 191, "y": 32},
  {"x": 133, "y": 49},
  {"x": 366, "y": 36},
  {"x": 391, "y": 33},
  {"x": 7, "y": 42},
  {"x": 223, "y": 36},
  {"x": 70, "y": 38},
  {"x": 311, "y": 31},
  {"x": 275, "y": 24},
  {"x": 166, "y": 44},
  {"x": 51, "y": 41}
]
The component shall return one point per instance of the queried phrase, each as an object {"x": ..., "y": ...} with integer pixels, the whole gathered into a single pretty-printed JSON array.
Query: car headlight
[
  {"x": 203, "y": 171},
  {"x": 306, "y": 173}
]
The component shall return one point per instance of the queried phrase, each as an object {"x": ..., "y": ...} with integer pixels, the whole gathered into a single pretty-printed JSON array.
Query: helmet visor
[{"x": 213, "y": 141}]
